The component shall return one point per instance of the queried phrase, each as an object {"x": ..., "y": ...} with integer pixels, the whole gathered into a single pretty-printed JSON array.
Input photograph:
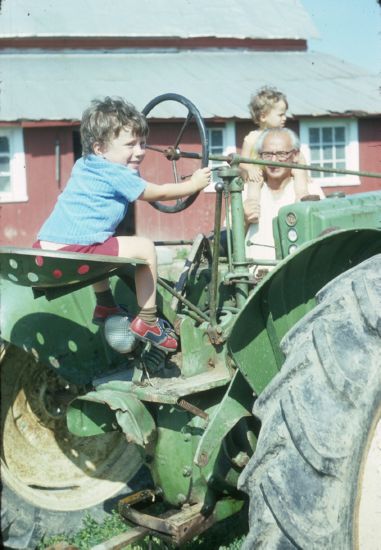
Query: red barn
[{"x": 54, "y": 61}]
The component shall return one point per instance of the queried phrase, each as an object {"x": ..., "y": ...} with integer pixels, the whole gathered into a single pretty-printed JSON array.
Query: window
[
  {"x": 12, "y": 166},
  {"x": 331, "y": 144},
  {"x": 221, "y": 142}
]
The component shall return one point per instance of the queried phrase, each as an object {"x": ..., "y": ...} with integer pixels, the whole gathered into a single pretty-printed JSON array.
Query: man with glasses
[{"x": 278, "y": 145}]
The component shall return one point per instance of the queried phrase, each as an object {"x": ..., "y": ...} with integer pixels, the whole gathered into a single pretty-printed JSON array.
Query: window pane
[
  {"x": 5, "y": 184},
  {"x": 340, "y": 134},
  {"x": 327, "y": 135},
  {"x": 340, "y": 152},
  {"x": 316, "y": 174},
  {"x": 216, "y": 147},
  {"x": 337, "y": 148},
  {"x": 315, "y": 154},
  {"x": 216, "y": 138},
  {"x": 314, "y": 135},
  {"x": 327, "y": 152},
  {"x": 4, "y": 144},
  {"x": 4, "y": 164},
  {"x": 12, "y": 165}
]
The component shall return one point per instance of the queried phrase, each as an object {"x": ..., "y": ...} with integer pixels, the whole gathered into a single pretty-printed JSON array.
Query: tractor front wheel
[
  {"x": 50, "y": 478},
  {"x": 315, "y": 478}
]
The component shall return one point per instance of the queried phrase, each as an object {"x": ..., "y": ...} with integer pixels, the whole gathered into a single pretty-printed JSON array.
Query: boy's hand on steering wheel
[{"x": 201, "y": 178}]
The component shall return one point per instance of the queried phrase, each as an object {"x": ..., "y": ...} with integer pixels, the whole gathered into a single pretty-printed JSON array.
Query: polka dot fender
[{"x": 44, "y": 270}]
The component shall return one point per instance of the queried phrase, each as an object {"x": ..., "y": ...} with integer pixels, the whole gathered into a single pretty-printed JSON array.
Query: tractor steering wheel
[{"x": 174, "y": 152}]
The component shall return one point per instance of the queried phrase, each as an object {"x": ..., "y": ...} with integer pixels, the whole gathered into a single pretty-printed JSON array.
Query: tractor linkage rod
[
  {"x": 197, "y": 313},
  {"x": 175, "y": 153}
]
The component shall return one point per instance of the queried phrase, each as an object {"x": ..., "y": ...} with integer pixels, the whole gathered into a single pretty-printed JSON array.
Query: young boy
[
  {"x": 95, "y": 200},
  {"x": 268, "y": 110}
]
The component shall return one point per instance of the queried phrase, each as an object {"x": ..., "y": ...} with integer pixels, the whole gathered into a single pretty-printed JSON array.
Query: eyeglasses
[{"x": 279, "y": 155}]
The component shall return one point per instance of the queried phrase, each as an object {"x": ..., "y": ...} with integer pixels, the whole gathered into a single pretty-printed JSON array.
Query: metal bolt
[{"x": 203, "y": 459}]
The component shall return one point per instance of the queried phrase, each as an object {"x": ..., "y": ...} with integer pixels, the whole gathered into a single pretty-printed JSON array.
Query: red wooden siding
[
  {"x": 112, "y": 42},
  {"x": 21, "y": 221},
  {"x": 199, "y": 217},
  {"x": 370, "y": 152}
]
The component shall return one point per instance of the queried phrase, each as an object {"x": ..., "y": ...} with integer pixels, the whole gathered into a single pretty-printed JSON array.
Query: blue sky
[{"x": 349, "y": 29}]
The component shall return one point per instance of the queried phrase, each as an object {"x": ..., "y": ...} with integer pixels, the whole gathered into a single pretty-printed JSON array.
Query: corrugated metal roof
[
  {"x": 55, "y": 86},
  {"x": 132, "y": 18}
]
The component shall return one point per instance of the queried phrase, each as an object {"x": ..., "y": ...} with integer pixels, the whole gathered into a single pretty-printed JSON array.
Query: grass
[{"x": 226, "y": 535}]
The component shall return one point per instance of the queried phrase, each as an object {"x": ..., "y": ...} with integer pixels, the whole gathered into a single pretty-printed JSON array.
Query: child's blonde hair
[{"x": 263, "y": 101}]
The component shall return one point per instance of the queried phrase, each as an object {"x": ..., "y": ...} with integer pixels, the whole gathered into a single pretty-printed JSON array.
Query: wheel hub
[{"x": 72, "y": 472}]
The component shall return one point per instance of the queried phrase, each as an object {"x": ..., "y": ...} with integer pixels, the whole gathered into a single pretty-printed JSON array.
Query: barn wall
[
  {"x": 370, "y": 152},
  {"x": 21, "y": 221},
  {"x": 199, "y": 217},
  {"x": 370, "y": 158}
]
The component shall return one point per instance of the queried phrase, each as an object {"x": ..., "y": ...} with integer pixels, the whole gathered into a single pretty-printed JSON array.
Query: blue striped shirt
[{"x": 93, "y": 203}]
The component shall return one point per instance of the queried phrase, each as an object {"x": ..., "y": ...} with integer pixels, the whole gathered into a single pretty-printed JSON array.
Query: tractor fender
[
  {"x": 103, "y": 410},
  {"x": 287, "y": 294}
]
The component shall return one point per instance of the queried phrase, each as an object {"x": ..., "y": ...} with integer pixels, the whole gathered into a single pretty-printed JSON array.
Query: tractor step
[
  {"x": 121, "y": 541},
  {"x": 174, "y": 525}
]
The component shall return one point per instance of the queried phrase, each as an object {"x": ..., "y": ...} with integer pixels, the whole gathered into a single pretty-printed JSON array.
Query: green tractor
[{"x": 273, "y": 398}]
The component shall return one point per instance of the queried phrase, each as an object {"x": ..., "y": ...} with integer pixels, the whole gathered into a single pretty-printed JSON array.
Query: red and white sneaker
[
  {"x": 101, "y": 313},
  {"x": 160, "y": 334}
]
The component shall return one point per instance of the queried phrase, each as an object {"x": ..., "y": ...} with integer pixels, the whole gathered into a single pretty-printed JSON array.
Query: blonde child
[
  {"x": 268, "y": 110},
  {"x": 94, "y": 202}
]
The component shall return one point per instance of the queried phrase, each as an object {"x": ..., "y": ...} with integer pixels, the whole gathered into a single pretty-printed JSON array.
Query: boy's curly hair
[
  {"x": 263, "y": 101},
  {"x": 104, "y": 119}
]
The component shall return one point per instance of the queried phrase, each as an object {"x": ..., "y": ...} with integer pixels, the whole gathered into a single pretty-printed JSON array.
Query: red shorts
[{"x": 109, "y": 248}]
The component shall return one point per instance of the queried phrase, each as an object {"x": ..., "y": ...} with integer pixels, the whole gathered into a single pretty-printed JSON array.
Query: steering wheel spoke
[
  {"x": 174, "y": 168},
  {"x": 184, "y": 126},
  {"x": 174, "y": 152}
]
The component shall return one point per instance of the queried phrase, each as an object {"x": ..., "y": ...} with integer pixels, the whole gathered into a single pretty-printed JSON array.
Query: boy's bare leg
[
  {"x": 145, "y": 275},
  {"x": 101, "y": 286},
  {"x": 147, "y": 326}
]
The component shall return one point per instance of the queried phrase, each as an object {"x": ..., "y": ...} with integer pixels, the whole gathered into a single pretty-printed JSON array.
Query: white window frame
[
  {"x": 228, "y": 147},
  {"x": 351, "y": 149},
  {"x": 18, "y": 191}
]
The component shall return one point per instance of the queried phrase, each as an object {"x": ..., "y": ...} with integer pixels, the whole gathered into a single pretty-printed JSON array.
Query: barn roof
[
  {"x": 164, "y": 18},
  {"x": 58, "y": 85}
]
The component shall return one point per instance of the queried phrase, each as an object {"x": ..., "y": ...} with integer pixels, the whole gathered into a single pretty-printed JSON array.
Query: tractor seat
[{"x": 53, "y": 273}]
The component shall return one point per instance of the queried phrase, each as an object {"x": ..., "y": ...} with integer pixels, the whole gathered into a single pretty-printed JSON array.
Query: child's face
[
  {"x": 276, "y": 117},
  {"x": 127, "y": 149}
]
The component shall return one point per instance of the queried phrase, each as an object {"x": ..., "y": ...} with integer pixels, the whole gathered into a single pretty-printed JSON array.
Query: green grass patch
[{"x": 225, "y": 535}]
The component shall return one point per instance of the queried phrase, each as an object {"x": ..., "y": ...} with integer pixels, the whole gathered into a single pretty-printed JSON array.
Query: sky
[{"x": 349, "y": 29}]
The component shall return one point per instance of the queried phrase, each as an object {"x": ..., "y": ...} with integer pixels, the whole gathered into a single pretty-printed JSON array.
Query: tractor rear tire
[
  {"x": 50, "y": 478},
  {"x": 314, "y": 481}
]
